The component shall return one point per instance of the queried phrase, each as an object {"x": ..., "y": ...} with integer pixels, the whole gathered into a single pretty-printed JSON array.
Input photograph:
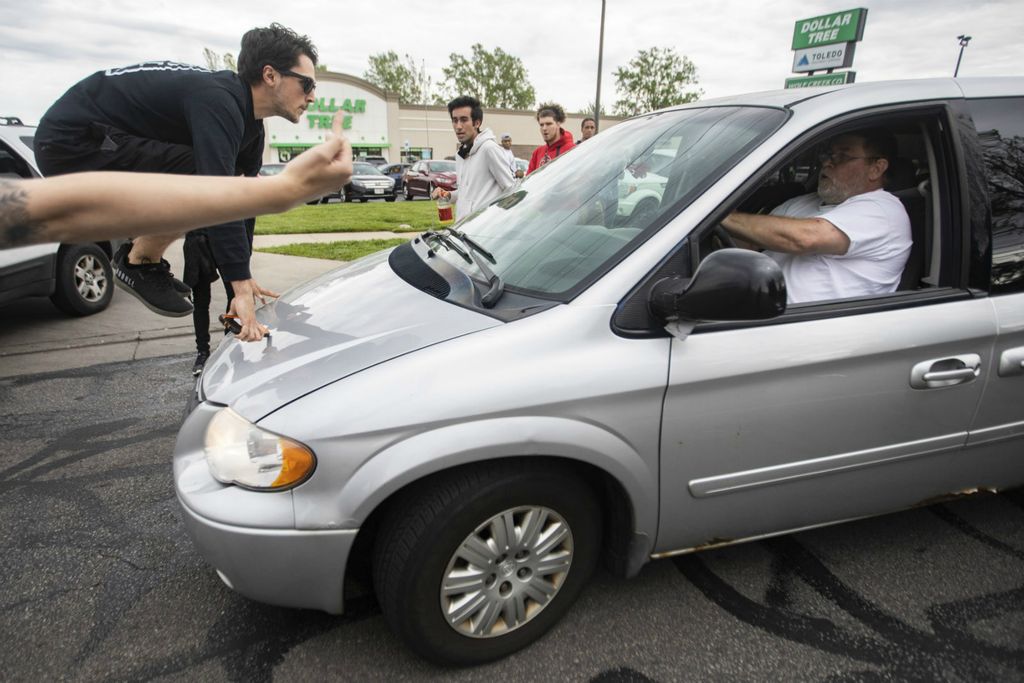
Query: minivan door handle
[
  {"x": 1011, "y": 362},
  {"x": 945, "y": 372}
]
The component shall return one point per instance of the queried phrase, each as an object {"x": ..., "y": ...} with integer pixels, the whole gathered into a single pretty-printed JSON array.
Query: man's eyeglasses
[
  {"x": 839, "y": 158},
  {"x": 308, "y": 84}
]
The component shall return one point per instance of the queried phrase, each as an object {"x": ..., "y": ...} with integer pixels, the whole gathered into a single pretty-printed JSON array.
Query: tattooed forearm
[{"x": 16, "y": 225}]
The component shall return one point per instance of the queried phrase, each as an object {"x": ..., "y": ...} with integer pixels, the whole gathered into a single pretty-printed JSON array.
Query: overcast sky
[{"x": 48, "y": 45}]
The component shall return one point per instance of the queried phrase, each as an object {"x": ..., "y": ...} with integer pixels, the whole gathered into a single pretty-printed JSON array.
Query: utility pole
[
  {"x": 600, "y": 58},
  {"x": 963, "y": 43}
]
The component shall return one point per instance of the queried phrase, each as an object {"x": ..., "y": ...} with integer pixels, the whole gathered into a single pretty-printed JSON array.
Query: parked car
[
  {"x": 424, "y": 176},
  {"x": 521, "y": 166},
  {"x": 481, "y": 415},
  {"x": 397, "y": 173},
  {"x": 271, "y": 169},
  {"x": 77, "y": 277},
  {"x": 369, "y": 183},
  {"x": 375, "y": 160},
  {"x": 640, "y": 195}
]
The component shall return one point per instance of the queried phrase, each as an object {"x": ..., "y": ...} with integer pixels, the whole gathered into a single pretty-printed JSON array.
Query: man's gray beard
[{"x": 830, "y": 197}]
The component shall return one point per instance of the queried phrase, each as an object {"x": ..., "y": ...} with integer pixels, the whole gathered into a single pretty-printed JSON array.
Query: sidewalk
[{"x": 36, "y": 337}]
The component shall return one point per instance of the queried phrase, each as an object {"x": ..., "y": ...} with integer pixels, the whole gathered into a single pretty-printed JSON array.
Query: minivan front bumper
[{"x": 286, "y": 567}]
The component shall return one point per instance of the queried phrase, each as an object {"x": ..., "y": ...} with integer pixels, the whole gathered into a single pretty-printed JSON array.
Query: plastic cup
[{"x": 445, "y": 212}]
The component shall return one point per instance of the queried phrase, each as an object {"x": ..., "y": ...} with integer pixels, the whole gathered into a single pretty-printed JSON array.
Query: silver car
[{"x": 483, "y": 414}]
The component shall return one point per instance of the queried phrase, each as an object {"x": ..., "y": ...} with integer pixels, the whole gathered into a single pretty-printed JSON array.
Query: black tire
[
  {"x": 417, "y": 543},
  {"x": 313, "y": 203},
  {"x": 363, "y": 200},
  {"x": 85, "y": 280},
  {"x": 391, "y": 198}
]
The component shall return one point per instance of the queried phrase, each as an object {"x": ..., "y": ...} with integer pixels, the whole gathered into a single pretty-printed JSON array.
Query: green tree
[
  {"x": 217, "y": 62},
  {"x": 654, "y": 79},
  {"x": 407, "y": 79},
  {"x": 496, "y": 78}
]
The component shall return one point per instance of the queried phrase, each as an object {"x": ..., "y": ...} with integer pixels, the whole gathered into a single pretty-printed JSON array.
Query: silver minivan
[{"x": 480, "y": 416}]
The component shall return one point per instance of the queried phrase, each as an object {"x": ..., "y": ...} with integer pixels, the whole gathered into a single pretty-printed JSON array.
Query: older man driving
[{"x": 851, "y": 238}]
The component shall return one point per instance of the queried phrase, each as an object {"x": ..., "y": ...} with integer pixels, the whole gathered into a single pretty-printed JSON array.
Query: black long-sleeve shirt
[{"x": 212, "y": 112}]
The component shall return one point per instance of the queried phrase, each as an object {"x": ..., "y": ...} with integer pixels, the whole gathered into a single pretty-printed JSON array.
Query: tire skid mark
[
  {"x": 621, "y": 674},
  {"x": 953, "y": 619},
  {"x": 962, "y": 525},
  {"x": 82, "y": 443},
  {"x": 250, "y": 640},
  {"x": 816, "y": 632},
  {"x": 902, "y": 651}
]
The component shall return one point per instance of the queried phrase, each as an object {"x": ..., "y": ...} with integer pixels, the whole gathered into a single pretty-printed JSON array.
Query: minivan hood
[{"x": 342, "y": 322}]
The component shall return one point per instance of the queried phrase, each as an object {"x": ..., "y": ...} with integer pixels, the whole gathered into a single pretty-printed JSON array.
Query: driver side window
[{"x": 893, "y": 223}]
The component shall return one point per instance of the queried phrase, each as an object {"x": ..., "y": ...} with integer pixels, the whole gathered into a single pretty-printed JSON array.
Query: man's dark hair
[
  {"x": 878, "y": 142},
  {"x": 276, "y": 45},
  {"x": 553, "y": 110},
  {"x": 584, "y": 122},
  {"x": 476, "y": 113}
]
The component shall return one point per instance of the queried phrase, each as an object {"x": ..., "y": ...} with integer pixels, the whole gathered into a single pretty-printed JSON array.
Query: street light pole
[
  {"x": 600, "y": 59},
  {"x": 963, "y": 43}
]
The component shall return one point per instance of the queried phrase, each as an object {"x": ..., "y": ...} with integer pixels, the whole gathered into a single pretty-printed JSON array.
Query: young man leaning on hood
[{"x": 480, "y": 164}]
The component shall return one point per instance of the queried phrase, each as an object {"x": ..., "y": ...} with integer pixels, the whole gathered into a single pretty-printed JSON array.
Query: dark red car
[{"x": 424, "y": 176}]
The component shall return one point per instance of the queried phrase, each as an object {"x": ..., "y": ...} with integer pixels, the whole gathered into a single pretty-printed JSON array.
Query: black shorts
[{"x": 100, "y": 147}]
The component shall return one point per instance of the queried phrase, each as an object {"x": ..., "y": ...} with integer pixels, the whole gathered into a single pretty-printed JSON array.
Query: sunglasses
[
  {"x": 839, "y": 158},
  {"x": 308, "y": 84}
]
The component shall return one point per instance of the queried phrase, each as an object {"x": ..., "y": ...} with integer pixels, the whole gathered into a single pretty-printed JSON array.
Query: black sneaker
[
  {"x": 180, "y": 287},
  {"x": 201, "y": 358},
  {"x": 150, "y": 283}
]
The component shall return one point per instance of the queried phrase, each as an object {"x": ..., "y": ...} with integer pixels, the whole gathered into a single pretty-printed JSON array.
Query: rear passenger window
[{"x": 1000, "y": 125}]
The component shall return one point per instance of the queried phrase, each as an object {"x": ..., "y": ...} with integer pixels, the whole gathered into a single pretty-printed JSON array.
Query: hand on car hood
[{"x": 340, "y": 323}]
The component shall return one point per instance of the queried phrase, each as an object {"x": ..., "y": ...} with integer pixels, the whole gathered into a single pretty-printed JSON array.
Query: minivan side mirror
[{"x": 730, "y": 284}]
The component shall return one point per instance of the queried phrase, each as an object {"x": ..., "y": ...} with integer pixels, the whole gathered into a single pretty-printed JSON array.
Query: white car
[
  {"x": 76, "y": 277},
  {"x": 641, "y": 187}
]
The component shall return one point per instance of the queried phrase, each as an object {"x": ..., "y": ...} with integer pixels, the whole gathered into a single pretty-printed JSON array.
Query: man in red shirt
[{"x": 557, "y": 140}]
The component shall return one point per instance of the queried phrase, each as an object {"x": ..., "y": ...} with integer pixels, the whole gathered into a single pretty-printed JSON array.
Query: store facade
[{"x": 378, "y": 126}]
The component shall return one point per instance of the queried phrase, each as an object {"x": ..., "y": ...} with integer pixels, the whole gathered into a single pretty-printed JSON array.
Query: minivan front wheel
[{"x": 485, "y": 560}]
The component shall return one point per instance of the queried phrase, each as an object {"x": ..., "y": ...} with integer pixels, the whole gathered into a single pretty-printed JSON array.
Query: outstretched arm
[{"x": 87, "y": 207}]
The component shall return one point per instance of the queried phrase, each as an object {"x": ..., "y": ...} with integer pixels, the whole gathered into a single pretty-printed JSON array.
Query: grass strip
[
  {"x": 355, "y": 217},
  {"x": 349, "y": 250}
]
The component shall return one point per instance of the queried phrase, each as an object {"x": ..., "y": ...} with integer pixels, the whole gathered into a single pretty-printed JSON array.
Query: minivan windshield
[{"x": 553, "y": 233}]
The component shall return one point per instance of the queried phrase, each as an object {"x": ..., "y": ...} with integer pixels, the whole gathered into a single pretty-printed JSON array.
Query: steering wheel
[{"x": 723, "y": 237}]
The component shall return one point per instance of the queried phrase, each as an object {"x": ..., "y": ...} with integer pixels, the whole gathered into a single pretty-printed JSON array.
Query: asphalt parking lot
[{"x": 101, "y": 583}]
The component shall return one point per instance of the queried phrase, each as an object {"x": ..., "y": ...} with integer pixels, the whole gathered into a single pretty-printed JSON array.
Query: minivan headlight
[{"x": 239, "y": 452}]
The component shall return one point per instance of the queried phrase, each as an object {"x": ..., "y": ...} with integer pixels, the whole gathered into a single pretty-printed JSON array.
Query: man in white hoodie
[{"x": 480, "y": 163}]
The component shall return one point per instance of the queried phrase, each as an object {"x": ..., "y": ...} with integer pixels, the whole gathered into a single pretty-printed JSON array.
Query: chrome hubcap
[
  {"x": 90, "y": 280},
  {"x": 504, "y": 573}
]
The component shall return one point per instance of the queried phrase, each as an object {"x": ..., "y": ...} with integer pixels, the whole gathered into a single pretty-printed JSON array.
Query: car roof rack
[{"x": 10, "y": 121}]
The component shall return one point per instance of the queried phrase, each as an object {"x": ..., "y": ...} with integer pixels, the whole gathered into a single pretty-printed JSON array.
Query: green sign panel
[
  {"x": 838, "y": 78},
  {"x": 842, "y": 27},
  {"x": 324, "y": 120}
]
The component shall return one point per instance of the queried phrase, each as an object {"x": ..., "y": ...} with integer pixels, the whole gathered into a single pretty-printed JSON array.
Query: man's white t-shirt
[{"x": 880, "y": 241}]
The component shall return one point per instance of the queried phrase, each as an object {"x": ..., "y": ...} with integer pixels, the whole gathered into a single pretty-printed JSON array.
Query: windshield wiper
[
  {"x": 496, "y": 286},
  {"x": 448, "y": 242}
]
